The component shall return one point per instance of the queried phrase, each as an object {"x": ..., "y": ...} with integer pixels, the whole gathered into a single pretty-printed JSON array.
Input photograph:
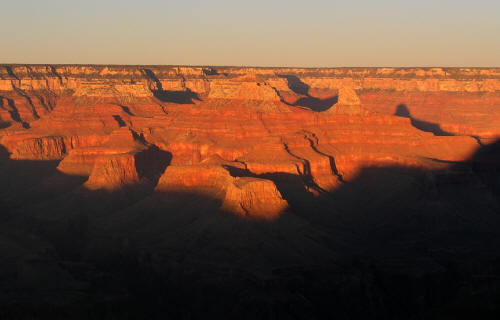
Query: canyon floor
[{"x": 252, "y": 193}]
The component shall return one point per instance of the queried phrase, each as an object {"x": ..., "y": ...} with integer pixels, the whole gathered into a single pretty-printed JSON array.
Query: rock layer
[{"x": 252, "y": 138}]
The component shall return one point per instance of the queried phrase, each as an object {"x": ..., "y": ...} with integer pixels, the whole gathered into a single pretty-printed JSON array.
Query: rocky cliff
[
  {"x": 352, "y": 193},
  {"x": 320, "y": 126}
]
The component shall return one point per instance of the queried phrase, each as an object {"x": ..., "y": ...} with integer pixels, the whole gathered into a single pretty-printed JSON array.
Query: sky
[{"x": 308, "y": 33}]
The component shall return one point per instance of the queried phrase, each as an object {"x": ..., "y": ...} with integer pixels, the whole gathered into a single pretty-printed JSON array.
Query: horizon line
[{"x": 243, "y": 66}]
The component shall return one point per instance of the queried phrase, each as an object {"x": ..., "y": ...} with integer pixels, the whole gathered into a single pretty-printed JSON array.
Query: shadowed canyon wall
[{"x": 306, "y": 193}]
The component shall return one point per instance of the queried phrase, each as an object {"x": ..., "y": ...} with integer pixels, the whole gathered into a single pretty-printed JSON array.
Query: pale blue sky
[{"x": 255, "y": 33}]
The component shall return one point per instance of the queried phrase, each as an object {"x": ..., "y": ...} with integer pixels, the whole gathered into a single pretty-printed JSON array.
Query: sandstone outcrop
[
  {"x": 252, "y": 197},
  {"x": 248, "y": 197},
  {"x": 348, "y": 103},
  {"x": 113, "y": 172},
  {"x": 252, "y": 138},
  {"x": 348, "y": 97},
  {"x": 279, "y": 192}
]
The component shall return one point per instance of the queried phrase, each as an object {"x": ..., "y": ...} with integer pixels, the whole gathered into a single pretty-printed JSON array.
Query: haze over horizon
[{"x": 278, "y": 33}]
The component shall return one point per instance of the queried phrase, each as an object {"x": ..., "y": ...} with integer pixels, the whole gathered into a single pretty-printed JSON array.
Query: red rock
[
  {"x": 113, "y": 172},
  {"x": 246, "y": 196},
  {"x": 235, "y": 134},
  {"x": 254, "y": 198},
  {"x": 348, "y": 97},
  {"x": 348, "y": 103}
]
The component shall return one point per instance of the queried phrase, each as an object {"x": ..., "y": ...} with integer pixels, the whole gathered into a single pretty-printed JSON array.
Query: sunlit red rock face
[{"x": 243, "y": 135}]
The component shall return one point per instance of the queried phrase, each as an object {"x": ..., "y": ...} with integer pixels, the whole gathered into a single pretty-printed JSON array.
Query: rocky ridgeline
[{"x": 243, "y": 136}]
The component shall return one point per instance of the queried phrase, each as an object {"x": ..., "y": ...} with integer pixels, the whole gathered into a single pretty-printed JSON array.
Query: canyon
[{"x": 267, "y": 185}]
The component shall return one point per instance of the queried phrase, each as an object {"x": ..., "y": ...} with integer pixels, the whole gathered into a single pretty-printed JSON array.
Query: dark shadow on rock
[
  {"x": 53, "y": 70},
  {"x": 393, "y": 243},
  {"x": 313, "y": 142},
  {"x": 27, "y": 182},
  {"x": 403, "y": 111},
  {"x": 46, "y": 102},
  {"x": 316, "y": 104},
  {"x": 23, "y": 94},
  {"x": 486, "y": 165},
  {"x": 119, "y": 120},
  {"x": 213, "y": 72},
  {"x": 11, "y": 108},
  {"x": 179, "y": 97},
  {"x": 313, "y": 103},
  {"x": 4, "y": 155},
  {"x": 4, "y": 125},
  {"x": 296, "y": 85},
  {"x": 172, "y": 96},
  {"x": 11, "y": 73},
  {"x": 292, "y": 187},
  {"x": 151, "y": 163},
  {"x": 126, "y": 109}
]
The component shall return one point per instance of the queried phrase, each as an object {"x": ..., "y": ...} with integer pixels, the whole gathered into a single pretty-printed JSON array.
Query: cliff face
[
  {"x": 268, "y": 128},
  {"x": 309, "y": 193}
]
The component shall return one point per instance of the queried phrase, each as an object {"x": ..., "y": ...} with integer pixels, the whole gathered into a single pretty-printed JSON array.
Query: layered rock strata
[{"x": 253, "y": 138}]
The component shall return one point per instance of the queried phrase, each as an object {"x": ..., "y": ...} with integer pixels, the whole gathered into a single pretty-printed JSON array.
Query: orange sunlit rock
[
  {"x": 244, "y": 136},
  {"x": 253, "y": 197}
]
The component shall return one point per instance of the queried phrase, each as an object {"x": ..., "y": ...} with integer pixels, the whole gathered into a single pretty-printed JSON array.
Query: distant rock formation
[
  {"x": 248, "y": 197},
  {"x": 251, "y": 138},
  {"x": 348, "y": 97},
  {"x": 254, "y": 198},
  {"x": 348, "y": 103}
]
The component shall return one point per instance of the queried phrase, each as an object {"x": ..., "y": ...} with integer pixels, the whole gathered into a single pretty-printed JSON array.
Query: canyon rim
[{"x": 311, "y": 193}]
